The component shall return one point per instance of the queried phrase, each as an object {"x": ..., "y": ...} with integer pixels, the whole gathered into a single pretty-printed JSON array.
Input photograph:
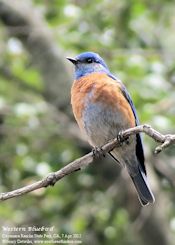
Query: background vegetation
[{"x": 38, "y": 133}]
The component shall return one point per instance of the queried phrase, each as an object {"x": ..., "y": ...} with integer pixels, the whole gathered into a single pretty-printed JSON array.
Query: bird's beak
[{"x": 72, "y": 60}]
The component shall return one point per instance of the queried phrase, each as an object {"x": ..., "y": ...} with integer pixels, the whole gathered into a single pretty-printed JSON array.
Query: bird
[{"x": 103, "y": 108}]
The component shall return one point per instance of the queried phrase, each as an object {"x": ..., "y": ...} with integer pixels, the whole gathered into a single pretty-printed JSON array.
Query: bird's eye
[{"x": 89, "y": 60}]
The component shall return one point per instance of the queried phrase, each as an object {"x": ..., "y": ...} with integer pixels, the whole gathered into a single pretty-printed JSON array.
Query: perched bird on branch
[{"x": 103, "y": 107}]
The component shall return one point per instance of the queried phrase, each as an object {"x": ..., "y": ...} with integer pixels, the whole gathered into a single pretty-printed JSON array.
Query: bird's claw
[
  {"x": 121, "y": 139},
  {"x": 98, "y": 152}
]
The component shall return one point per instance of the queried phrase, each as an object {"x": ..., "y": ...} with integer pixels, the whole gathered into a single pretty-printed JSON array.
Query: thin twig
[{"x": 84, "y": 161}]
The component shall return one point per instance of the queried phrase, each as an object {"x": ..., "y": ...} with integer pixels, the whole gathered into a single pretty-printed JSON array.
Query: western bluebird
[{"x": 103, "y": 107}]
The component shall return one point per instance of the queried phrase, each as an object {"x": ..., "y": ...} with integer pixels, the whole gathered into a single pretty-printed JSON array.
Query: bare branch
[
  {"x": 166, "y": 140},
  {"x": 84, "y": 161}
]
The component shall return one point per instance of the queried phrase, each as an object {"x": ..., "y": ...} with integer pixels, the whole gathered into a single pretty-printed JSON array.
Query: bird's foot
[
  {"x": 98, "y": 152},
  {"x": 127, "y": 141},
  {"x": 122, "y": 140}
]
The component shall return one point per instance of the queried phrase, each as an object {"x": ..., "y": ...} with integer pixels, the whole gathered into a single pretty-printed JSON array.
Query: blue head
[{"x": 88, "y": 62}]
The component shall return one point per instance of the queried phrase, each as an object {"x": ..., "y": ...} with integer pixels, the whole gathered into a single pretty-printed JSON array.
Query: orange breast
[
  {"x": 79, "y": 92},
  {"x": 104, "y": 90}
]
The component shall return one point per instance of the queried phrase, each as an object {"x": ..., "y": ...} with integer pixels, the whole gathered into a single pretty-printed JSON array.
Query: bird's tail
[{"x": 144, "y": 192}]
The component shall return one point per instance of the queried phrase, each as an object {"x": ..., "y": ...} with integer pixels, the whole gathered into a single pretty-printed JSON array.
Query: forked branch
[{"x": 52, "y": 178}]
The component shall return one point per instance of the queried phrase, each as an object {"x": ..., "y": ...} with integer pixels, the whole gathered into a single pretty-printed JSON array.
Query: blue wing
[{"x": 139, "y": 146}]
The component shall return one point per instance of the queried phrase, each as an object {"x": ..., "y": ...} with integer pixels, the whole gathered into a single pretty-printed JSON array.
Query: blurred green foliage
[{"x": 136, "y": 39}]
